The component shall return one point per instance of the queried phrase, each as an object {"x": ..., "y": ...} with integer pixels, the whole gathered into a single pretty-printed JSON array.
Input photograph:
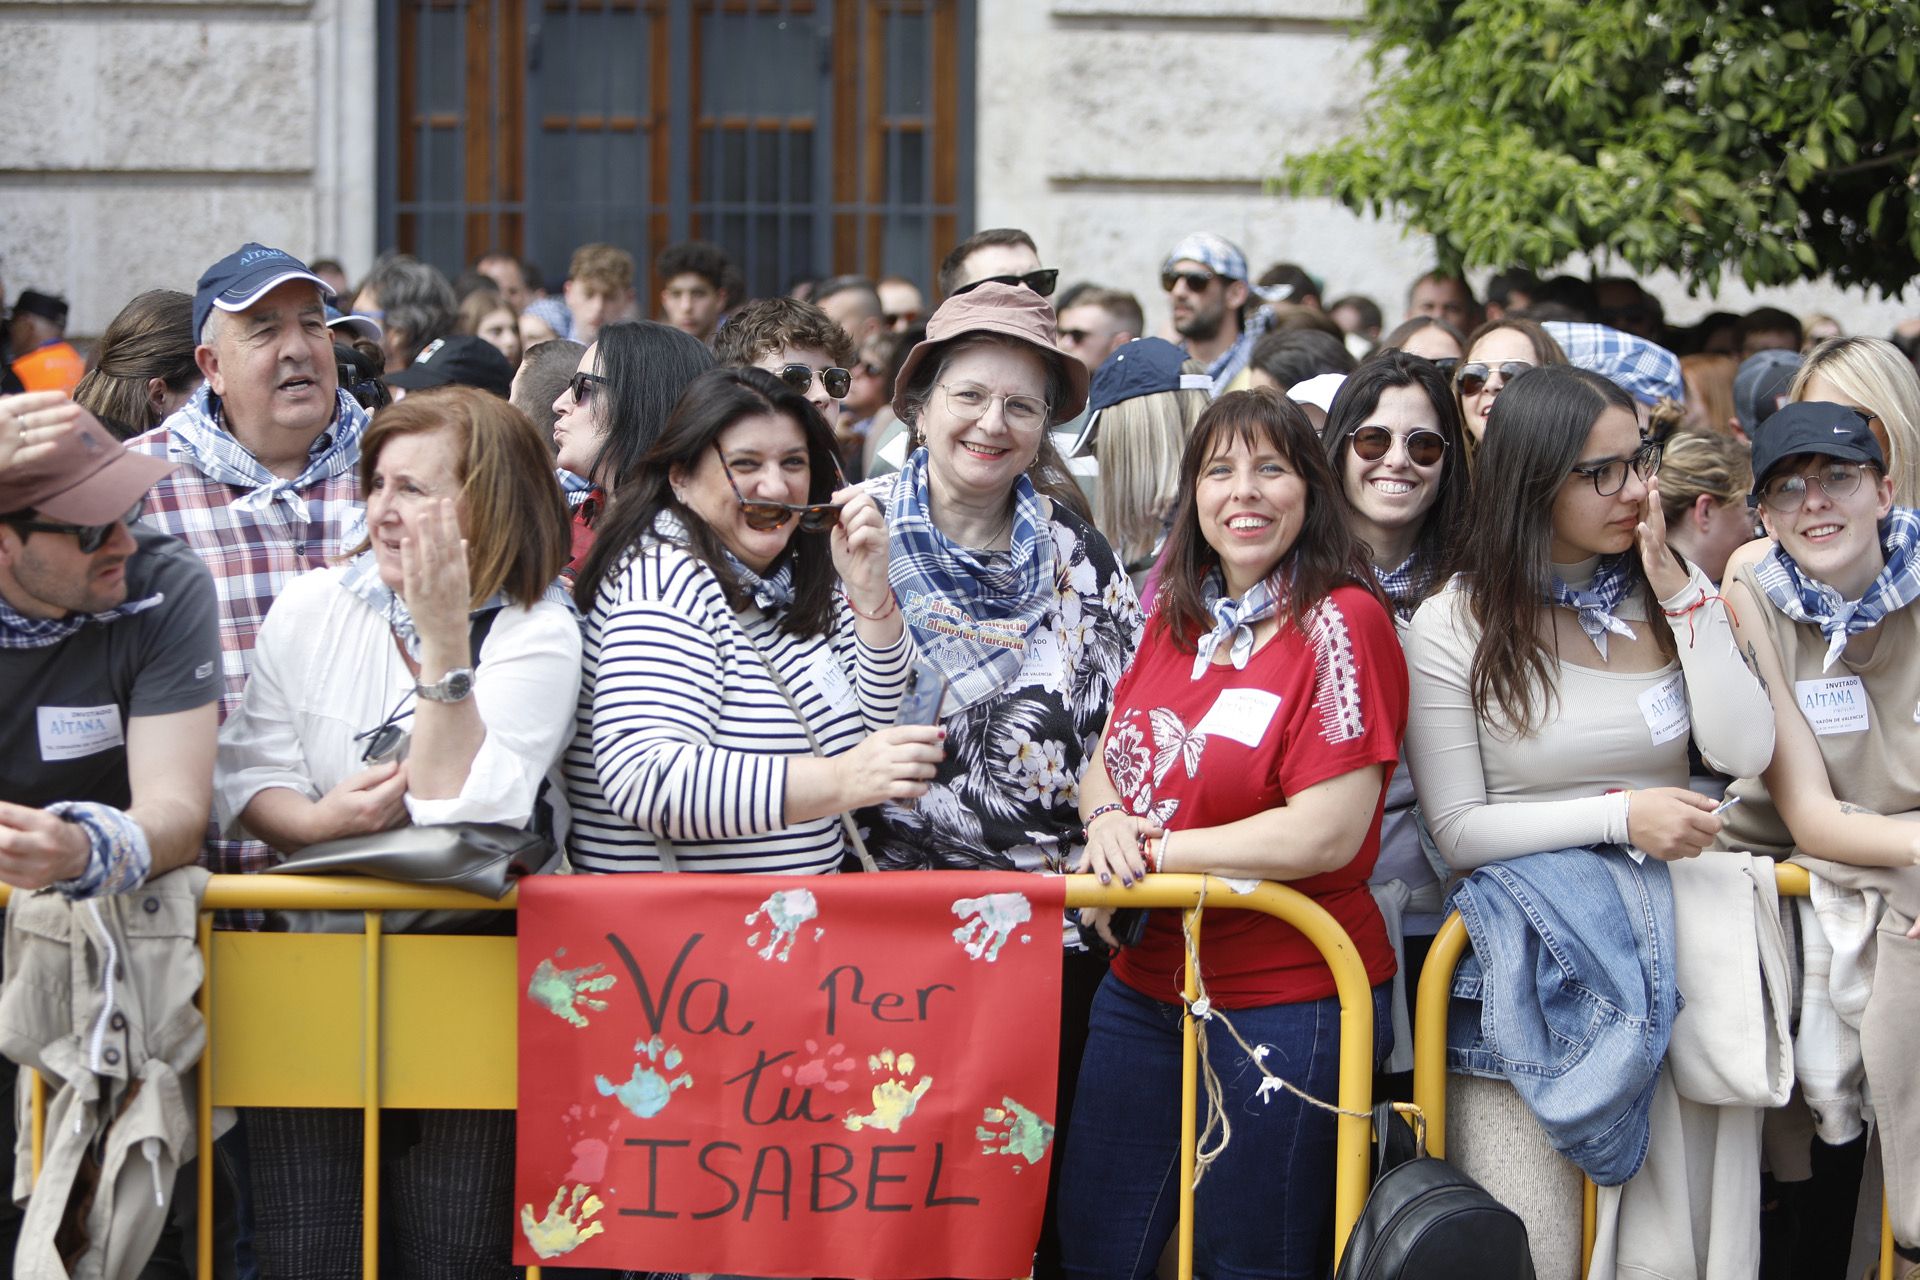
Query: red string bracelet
[
  {"x": 892, "y": 605},
  {"x": 1706, "y": 598}
]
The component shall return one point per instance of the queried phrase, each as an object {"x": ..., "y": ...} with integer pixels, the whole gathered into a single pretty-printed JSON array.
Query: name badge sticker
[
  {"x": 1833, "y": 706},
  {"x": 69, "y": 733},
  {"x": 1664, "y": 708},
  {"x": 831, "y": 680},
  {"x": 1240, "y": 714}
]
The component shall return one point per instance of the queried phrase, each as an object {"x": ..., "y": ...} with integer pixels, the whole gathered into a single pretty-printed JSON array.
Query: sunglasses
[
  {"x": 1472, "y": 378},
  {"x": 386, "y": 740},
  {"x": 1041, "y": 282},
  {"x": 837, "y": 381},
  {"x": 581, "y": 386},
  {"x": 91, "y": 537},
  {"x": 764, "y": 516},
  {"x": 1424, "y": 448},
  {"x": 1196, "y": 281},
  {"x": 1445, "y": 364},
  {"x": 1076, "y": 336}
]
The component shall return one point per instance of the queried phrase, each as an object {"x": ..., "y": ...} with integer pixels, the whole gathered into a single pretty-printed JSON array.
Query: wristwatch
[{"x": 453, "y": 687}]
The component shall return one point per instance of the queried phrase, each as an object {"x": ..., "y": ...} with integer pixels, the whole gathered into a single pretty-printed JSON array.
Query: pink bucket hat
[{"x": 1011, "y": 311}]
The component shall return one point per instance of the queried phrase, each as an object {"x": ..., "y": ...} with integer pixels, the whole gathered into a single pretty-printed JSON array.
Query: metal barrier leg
[
  {"x": 1430, "y": 1029},
  {"x": 370, "y": 1111},
  {"x": 203, "y": 1223},
  {"x": 1189, "y": 1106}
]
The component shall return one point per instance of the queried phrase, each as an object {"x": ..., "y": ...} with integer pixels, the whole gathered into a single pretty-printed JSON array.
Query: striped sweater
[{"x": 682, "y": 733}]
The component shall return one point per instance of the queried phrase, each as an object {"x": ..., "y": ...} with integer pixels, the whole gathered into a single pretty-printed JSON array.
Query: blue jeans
[{"x": 1266, "y": 1205}]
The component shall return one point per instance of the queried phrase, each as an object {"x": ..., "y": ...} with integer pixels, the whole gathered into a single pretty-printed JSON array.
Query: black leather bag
[
  {"x": 479, "y": 857},
  {"x": 1426, "y": 1219}
]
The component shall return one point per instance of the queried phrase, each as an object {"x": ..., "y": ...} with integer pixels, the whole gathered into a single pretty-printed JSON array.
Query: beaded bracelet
[
  {"x": 887, "y": 611},
  {"x": 1103, "y": 811}
]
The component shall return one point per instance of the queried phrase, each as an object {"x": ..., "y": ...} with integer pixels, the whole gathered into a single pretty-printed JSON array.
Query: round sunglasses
[
  {"x": 1424, "y": 448},
  {"x": 799, "y": 377},
  {"x": 1472, "y": 378}
]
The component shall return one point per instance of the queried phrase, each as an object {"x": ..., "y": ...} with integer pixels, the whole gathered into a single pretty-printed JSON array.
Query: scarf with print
[
  {"x": 1805, "y": 600},
  {"x": 769, "y": 594},
  {"x": 1234, "y": 619},
  {"x": 217, "y": 455},
  {"x": 972, "y": 613},
  {"x": 1404, "y": 585},
  {"x": 17, "y": 631},
  {"x": 361, "y": 579},
  {"x": 1614, "y": 579}
]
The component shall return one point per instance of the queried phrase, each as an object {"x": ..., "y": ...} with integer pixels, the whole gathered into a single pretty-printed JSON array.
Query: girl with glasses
[
  {"x": 744, "y": 655},
  {"x": 1496, "y": 353},
  {"x": 1556, "y": 681},
  {"x": 1828, "y": 610},
  {"x": 1871, "y": 375}
]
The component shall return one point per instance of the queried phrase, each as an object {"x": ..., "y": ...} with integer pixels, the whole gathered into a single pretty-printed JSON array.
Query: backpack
[{"x": 1426, "y": 1219}]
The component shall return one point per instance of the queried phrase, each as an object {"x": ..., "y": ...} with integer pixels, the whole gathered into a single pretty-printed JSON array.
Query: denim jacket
[{"x": 1573, "y": 972}]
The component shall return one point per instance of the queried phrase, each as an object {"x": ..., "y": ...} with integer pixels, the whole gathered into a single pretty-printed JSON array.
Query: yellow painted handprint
[
  {"x": 565, "y": 1228},
  {"x": 893, "y": 1101}
]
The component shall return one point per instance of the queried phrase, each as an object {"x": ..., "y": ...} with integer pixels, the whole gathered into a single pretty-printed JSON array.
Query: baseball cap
[
  {"x": 457, "y": 360},
  {"x": 1760, "y": 386},
  {"x": 352, "y": 322},
  {"x": 86, "y": 477},
  {"x": 243, "y": 277},
  {"x": 47, "y": 306},
  {"x": 1010, "y": 310},
  {"x": 1143, "y": 367},
  {"x": 1222, "y": 257},
  {"x": 1816, "y": 427}
]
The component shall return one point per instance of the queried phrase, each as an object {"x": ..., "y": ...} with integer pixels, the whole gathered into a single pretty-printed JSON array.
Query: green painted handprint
[
  {"x": 565, "y": 992},
  {"x": 565, "y": 1228},
  {"x": 893, "y": 1101},
  {"x": 1018, "y": 1131},
  {"x": 647, "y": 1092}
]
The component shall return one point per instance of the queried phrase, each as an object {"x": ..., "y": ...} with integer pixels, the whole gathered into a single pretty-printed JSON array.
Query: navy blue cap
[
  {"x": 1143, "y": 367},
  {"x": 242, "y": 278},
  {"x": 459, "y": 359},
  {"x": 1813, "y": 427}
]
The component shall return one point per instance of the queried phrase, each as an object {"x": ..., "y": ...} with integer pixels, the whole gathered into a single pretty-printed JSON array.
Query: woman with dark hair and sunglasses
[
  {"x": 1496, "y": 353},
  {"x": 608, "y": 416},
  {"x": 1393, "y": 438},
  {"x": 1552, "y": 705},
  {"x": 1253, "y": 736},
  {"x": 744, "y": 656}
]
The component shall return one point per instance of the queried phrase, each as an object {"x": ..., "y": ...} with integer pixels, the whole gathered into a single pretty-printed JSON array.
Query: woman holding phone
[{"x": 744, "y": 657}]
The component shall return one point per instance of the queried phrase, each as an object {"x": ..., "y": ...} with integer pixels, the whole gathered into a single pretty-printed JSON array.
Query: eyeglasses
[
  {"x": 581, "y": 386},
  {"x": 970, "y": 404},
  {"x": 1610, "y": 477},
  {"x": 837, "y": 381},
  {"x": 900, "y": 319},
  {"x": 1196, "y": 281},
  {"x": 763, "y": 516},
  {"x": 1836, "y": 480},
  {"x": 1472, "y": 378},
  {"x": 91, "y": 537},
  {"x": 1041, "y": 282},
  {"x": 386, "y": 740},
  {"x": 1424, "y": 448}
]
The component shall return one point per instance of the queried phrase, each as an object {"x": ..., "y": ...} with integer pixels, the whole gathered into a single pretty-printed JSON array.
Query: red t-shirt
[{"x": 1312, "y": 707}]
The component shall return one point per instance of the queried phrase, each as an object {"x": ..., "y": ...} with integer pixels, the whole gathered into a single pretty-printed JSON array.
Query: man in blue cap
[{"x": 267, "y": 453}]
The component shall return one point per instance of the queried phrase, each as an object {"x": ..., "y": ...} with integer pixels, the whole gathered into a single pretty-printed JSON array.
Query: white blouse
[{"x": 325, "y": 668}]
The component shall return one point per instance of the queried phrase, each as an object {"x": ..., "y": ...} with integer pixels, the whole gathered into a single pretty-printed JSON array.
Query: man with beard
[{"x": 1207, "y": 286}]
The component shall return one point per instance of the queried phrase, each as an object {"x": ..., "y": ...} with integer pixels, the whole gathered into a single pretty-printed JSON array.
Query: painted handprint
[
  {"x": 566, "y": 992},
  {"x": 1016, "y": 1131},
  {"x": 565, "y": 1226},
  {"x": 581, "y": 1125},
  {"x": 988, "y": 922},
  {"x": 822, "y": 1069},
  {"x": 893, "y": 1101},
  {"x": 785, "y": 911},
  {"x": 647, "y": 1092}
]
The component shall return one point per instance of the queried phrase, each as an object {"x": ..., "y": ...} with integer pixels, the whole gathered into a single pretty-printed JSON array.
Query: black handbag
[
  {"x": 480, "y": 857},
  {"x": 1426, "y": 1219}
]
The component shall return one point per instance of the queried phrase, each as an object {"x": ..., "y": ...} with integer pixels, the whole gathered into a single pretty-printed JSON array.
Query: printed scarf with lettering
[
  {"x": 362, "y": 580},
  {"x": 1234, "y": 619},
  {"x": 1613, "y": 581},
  {"x": 1806, "y": 600},
  {"x": 971, "y": 613},
  {"x": 218, "y": 456},
  {"x": 17, "y": 631}
]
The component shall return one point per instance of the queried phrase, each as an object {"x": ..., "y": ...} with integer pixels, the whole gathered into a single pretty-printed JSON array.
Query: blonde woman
[
  {"x": 1870, "y": 374},
  {"x": 1704, "y": 481},
  {"x": 1144, "y": 401}
]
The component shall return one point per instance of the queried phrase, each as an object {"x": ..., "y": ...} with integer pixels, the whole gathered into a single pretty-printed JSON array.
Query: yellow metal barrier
[
  {"x": 1430, "y": 1060},
  {"x": 428, "y": 1021}
]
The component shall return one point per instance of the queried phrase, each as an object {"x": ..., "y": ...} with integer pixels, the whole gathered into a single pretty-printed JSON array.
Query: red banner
[{"x": 776, "y": 1076}]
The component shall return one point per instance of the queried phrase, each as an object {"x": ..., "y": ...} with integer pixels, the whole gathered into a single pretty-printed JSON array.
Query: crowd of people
[{"x": 1533, "y": 608}]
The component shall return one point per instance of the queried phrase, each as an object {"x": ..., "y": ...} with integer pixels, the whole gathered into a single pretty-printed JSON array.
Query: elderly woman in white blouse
[{"x": 429, "y": 679}]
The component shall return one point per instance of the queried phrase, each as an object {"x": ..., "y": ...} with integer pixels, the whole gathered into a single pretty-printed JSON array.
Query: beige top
[
  {"x": 1487, "y": 795},
  {"x": 1864, "y": 715}
]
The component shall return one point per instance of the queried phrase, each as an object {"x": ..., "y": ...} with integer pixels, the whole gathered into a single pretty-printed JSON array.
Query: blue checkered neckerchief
[
  {"x": 971, "y": 612},
  {"x": 775, "y": 591},
  {"x": 1614, "y": 579},
  {"x": 218, "y": 456},
  {"x": 361, "y": 579},
  {"x": 17, "y": 631},
  {"x": 1644, "y": 370},
  {"x": 1234, "y": 618},
  {"x": 1806, "y": 600},
  {"x": 1234, "y": 359},
  {"x": 1404, "y": 585},
  {"x": 576, "y": 488}
]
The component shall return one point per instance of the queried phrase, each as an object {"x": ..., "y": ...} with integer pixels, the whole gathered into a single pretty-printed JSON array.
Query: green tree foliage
[{"x": 1774, "y": 140}]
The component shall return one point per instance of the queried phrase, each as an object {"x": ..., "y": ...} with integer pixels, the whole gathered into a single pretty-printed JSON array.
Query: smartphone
[
  {"x": 926, "y": 691},
  {"x": 1128, "y": 926}
]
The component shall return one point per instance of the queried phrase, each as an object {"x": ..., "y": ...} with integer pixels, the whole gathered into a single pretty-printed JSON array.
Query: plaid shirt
[{"x": 253, "y": 539}]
